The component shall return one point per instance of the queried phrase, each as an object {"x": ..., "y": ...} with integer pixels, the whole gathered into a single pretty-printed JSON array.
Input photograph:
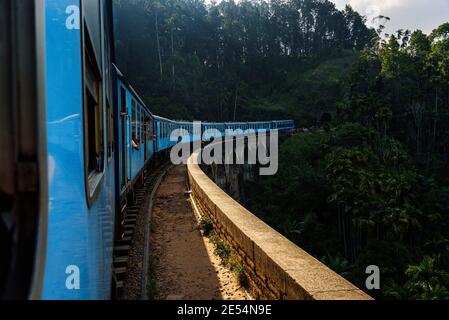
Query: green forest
[{"x": 368, "y": 183}]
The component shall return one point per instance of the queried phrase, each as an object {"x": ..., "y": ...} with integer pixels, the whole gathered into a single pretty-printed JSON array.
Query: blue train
[{"x": 75, "y": 139}]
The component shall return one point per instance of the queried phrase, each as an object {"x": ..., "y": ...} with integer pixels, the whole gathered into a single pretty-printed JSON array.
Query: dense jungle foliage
[
  {"x": 369, "y": 183},
  {"x": 371, "y": 187},
  {"x": 238, "y": 61}
]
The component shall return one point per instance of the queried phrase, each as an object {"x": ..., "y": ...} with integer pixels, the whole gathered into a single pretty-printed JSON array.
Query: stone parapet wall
[{"x": 275, "y": 267}]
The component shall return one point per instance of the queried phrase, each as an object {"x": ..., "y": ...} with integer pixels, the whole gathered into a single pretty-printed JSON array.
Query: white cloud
[{"x": 404, "y": 14}]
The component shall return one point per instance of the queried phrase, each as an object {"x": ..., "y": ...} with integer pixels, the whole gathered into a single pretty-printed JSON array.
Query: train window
[
  {"x": 93, "y": 112},
  {"x": 123, "y": 101},
  {"x": 109, "y": 129},
  {"x": 92, "y": 23},
  {"x": 151, "y": 127},
  {"x": 107, "y": 56},
  {"x": 133, "y": 120},
  {"x": 147, "y": 123},
  {"x": 94, "y": 103},
  {"x": 137, "y": 119},
  {"x": 140, "y": 125}
]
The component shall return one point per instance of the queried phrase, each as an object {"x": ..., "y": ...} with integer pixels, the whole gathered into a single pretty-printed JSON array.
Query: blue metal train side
[
  {"x": 284, "y": 125},
  {"x": 80, "y": 231},
  {"x": 163, "y": 129},
  {"x": 133, "y": 123},
  {"x": 137, "y": 154}
]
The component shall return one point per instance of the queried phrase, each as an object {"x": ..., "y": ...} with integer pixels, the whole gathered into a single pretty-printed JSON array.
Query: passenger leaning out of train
[{"x": 134, "y": 142}]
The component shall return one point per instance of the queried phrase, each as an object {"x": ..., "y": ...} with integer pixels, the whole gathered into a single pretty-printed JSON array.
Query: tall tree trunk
[
  {"x": 235, "y": 101},
  {"x": 158, "y": 46},
  {"x": 172, "y": 60},
  {"x": 435, "y": 120}
]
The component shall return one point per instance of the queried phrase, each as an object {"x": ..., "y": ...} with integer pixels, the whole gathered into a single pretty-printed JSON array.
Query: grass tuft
[{"x": 206, "y": 225}]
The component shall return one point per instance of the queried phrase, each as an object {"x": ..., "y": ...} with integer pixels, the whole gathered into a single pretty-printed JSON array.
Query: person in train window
[
  {"x": 134, "y": 142},
  {"x": 149, "y": 124}
]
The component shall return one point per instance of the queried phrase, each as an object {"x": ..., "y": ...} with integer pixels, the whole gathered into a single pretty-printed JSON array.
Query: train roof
[
  {"x": 215, "y": 123},
  {"x": 163, "y": 119}
]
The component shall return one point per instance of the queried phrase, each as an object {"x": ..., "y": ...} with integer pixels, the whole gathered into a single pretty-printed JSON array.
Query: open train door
[
  {"x": 23, "y": 160},
  {"x": 123, "y": 138},
  {"x": 145, "y": 133},
  {"x": 148, "y": 125}
]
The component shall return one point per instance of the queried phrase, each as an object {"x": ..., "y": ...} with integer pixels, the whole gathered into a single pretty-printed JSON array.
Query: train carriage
[
  {"x": 134, "y": 134},
  {"x": 81, "y": 155},
  {"x": 283, "y": 125},
  {"x": 213, "y": 130},
  {"x": 164, "y": 128}
]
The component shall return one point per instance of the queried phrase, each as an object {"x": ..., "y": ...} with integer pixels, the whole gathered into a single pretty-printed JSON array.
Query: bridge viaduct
[{"x": 275, "y": 267}]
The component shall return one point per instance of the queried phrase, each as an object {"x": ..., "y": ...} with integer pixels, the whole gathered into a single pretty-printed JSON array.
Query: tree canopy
[
  {"x": 373, "y": 186},
  {"x": 237, "y": 61}
]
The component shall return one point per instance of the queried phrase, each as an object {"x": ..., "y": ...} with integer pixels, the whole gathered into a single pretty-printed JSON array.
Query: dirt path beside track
[{"x": 184, "y": 266}]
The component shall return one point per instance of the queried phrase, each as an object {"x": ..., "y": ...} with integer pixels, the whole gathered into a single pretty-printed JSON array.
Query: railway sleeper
[
  {"x": 131, "y": 216},
  {"x": 124, "y": 242},
  {"x": 130, "y": 221},
  {"x": 122, "y": 249},
  {"x": 128, "y": 233},
  {"x": 120, "y": 261},
  {"x": 129, "y": 227},
  {"x": 120, "y": 273}
]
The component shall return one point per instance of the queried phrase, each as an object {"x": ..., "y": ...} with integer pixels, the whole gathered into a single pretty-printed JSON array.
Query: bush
[
  {"x": 223, "y": 250},
  {"x": 238, "y": 269},
  {"x": 206, "y": 225}
]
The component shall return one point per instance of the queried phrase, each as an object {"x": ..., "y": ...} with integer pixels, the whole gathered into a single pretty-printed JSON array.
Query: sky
[{"x": 404, "y": 14}]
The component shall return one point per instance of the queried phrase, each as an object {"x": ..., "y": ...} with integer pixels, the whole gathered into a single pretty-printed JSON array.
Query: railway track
[{"x": 130, "y": 256}]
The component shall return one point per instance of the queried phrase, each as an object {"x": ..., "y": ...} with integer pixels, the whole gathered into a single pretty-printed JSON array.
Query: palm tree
[{"x": 427, "y": 281}]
